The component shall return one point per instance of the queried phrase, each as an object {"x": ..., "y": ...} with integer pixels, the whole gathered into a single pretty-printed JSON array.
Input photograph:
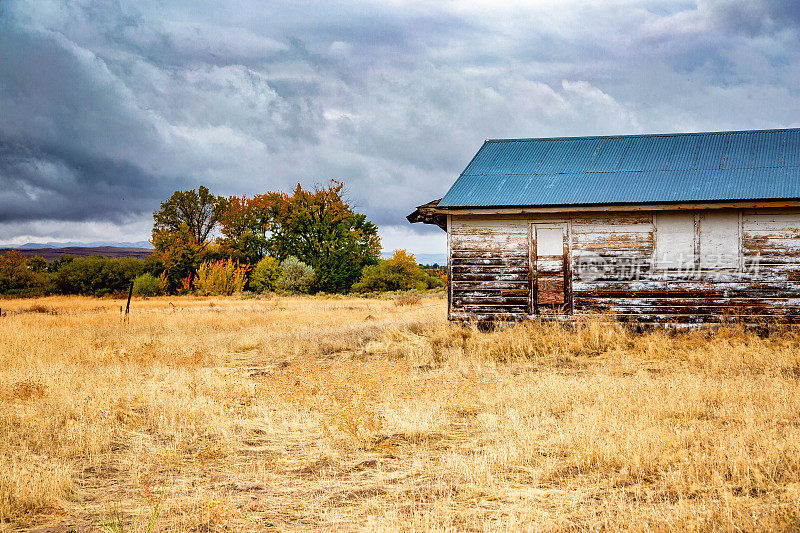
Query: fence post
[{"x": 128, "y": 306}]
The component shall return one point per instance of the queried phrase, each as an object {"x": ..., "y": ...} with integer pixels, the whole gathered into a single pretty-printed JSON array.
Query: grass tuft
[{"x": 407, "y": 299}]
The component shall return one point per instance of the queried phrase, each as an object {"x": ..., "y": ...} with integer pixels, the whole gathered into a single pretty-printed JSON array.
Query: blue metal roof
[{"x": 631, "y": 169}]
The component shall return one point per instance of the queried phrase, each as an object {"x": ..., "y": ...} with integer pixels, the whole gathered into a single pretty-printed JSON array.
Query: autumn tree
[
  {"x": 245, "y": 227},
  {"x": 398, "y": 273},
  {"x": 321, "y": 229},
  {"x": 199, "y": 210},
  {"x": 15, "y": 274},
  {"x": 318, "y": 227},
  {"x": 182, "y": 228},
  {"x": 179, "y": 255}
]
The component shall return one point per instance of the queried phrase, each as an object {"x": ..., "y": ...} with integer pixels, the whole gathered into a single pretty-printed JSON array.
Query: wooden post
[{"x": 128, "y": 306}]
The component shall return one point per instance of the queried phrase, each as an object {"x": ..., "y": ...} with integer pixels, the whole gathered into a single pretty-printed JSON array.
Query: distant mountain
[
  {"x": 50, "y": 250},
  {"x": 423, "y": 259},
  {"x": 71, "y": 244},
  {"x": 49, "y": 254},
  {"x": 27, "y": 245}
]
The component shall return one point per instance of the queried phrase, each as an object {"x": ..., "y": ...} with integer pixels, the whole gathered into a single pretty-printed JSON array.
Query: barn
[{"x": 690, "y": 227}]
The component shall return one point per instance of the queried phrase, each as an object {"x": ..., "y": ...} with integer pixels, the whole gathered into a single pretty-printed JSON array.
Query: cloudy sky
[{"x": 106, "y": 108}]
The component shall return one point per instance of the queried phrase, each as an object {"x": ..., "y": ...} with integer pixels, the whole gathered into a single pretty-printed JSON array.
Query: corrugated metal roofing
[{"x": 631, "y": 169}]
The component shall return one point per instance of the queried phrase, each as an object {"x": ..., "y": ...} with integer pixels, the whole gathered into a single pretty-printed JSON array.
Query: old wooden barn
[{"x": 676, "y": 227}]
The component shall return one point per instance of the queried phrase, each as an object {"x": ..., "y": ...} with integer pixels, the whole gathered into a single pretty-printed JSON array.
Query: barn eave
[{"x": 428, "y": 214}]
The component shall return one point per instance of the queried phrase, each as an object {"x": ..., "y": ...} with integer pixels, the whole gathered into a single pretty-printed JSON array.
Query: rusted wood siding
[
  {"x": 743, "y": 264},
  {"x": 489, "y": 270},
  {"x": 610, "y": 253},
  {"x": 492, "y": 275}
]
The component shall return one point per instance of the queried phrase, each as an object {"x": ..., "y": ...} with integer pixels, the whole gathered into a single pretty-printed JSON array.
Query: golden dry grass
[{"x": 360, "y": 414}]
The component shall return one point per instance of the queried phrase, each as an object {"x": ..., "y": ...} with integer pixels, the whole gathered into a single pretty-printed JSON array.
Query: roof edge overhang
[
  {"x": 429, "y": 214},
  {"x": 654, "y": 206}
]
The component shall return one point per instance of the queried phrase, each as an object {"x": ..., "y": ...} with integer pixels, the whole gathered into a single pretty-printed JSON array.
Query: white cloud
[
  {"x": 41, "y": 231},
  {"x": 403, "y": 237}
]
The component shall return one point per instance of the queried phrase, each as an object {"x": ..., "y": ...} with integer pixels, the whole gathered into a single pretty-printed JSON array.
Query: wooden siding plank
[
  {"x": 685, "y": 285},
  {"x": 488, "y": 254},
  {"x": 508, "y": 268},
  {"x": 610, "y": 225},
  {"x": 459, "y": 284},
  {"x": 488, "y": 261},
  {"x": 776, "y": 233},
  {"x": 766, "y": 246},
  {"x": 612, "y": 241}
]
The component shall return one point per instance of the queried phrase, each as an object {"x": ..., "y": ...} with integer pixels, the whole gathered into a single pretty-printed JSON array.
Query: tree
[
  {"x": 245, "y": 225},
  {"x": 180, "y": 256},
  {"x": 97, "y": 275},
  {"x": 199, "y": 210},
  {"x": 322, "y": 230},
  {"x": 181, "y": 231},
  {"x": 37, "y": 264},
  {"x": 59, "y": 262},
  {"x": 399, "y": 273},
  {"x": 15, "y": 276}
]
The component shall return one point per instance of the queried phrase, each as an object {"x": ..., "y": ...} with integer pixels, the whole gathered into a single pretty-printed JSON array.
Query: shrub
[
  {"x": 16, "y": 277},
  {"x": 147, "y": 285},
  {"x": 97, "y": 275},
  {"x": 440, "y": 275},
  {"x": 399, "y": 273},
  {"x": 59, "y": 262},
  {"x": 296, "y": 276},
  {"x": 221, "y": 277},
  {"x": 265, "y": 275}
]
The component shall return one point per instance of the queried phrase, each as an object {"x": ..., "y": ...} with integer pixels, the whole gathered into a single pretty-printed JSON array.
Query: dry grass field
[{"x": 228, "y": 414}]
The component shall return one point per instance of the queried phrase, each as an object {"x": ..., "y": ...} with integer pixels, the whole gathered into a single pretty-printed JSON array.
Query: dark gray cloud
[
  {"x": 83, "y": 187},
  {"x": 108, "y": 107}
]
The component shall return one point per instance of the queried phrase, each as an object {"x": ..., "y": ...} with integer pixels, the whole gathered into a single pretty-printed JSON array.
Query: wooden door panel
[
  {"x": 549, "y": 261},
  {"x": 551, "y": 290},
  {"x": 550, "y": 266}
]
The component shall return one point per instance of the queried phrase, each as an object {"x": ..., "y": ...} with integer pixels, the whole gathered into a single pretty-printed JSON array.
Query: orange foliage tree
[
  {"x": 317, "y": 226},
  {"x": 182, "y": 229}
]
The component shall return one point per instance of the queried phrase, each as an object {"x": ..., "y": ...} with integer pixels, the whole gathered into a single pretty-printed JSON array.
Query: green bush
[
  {"x": 147, "y": 285},
  {"x": 37, "y": 264},
  {"x": 399, "y": 273},
  {"x": 296, "y": 276},
  {"x": 97, "y": 275},
  {"x": 265, "y": 275},
  {"x": 59, "y": 262}
]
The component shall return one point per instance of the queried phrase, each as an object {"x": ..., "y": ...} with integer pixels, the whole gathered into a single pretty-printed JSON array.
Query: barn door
[{"x": 550, "y": 264}]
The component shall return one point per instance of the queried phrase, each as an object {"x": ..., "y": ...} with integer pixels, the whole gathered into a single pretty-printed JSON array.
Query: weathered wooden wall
[
  {"x": 489, "y": 268},
  {"x": 492, "y": 276}
]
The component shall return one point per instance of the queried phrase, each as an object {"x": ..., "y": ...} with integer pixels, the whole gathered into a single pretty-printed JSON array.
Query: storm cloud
[{"x": 108, "y": 107}]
